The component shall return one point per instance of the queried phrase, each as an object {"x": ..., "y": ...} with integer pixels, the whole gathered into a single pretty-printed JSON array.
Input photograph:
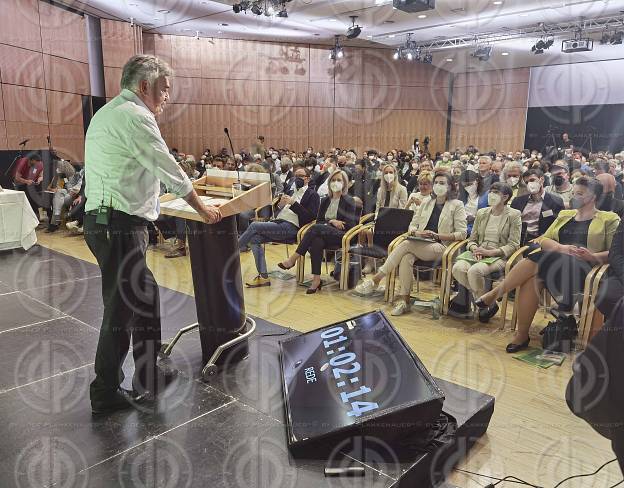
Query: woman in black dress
[
  {"x": 579, "y": 239},
  {"x": 337, "y": 214}
]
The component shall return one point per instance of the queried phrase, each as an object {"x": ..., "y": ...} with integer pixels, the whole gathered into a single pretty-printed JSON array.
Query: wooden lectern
[{"x": 215, "y": 260}]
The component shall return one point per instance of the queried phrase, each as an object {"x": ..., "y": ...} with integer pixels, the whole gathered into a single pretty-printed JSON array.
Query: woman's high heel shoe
[
  {"x": 513, "y": 348},
  {"x": 281, "y": 266},
  {"x": 481, "y": 304},
  {"x": 311, "y": 291}
]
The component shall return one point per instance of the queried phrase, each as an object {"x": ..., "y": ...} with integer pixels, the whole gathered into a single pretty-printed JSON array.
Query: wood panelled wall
[
  {"x": 120, "y": 41},
  {"x": 489, "y": 109},
  {"x": 295, "y": 96},
  {"x": 43, "y": 73}
]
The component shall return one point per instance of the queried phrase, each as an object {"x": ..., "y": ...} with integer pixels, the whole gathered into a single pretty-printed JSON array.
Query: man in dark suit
[
  {"x": 296, "y": 211},
  {"x": 539, "y": 209}
]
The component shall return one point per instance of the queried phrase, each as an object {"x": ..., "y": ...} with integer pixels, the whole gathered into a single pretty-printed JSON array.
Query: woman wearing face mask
[
  {"x": 391, "y": 194},
  {"x": 441, "y": 219},
  {"x": 579, "y": 239},
  {"x": 495, "y": 236},
  {"x": 337, "y": 214},
  {"x": 424, "y": 166},
  {"x": 472, "y": 194}
]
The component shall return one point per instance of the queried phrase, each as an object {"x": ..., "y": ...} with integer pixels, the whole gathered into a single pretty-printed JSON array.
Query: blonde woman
[
  {"x": 337, "y": 214},
  {"x": 439, "y": 220},
  {"x": 391, "y": 194}
]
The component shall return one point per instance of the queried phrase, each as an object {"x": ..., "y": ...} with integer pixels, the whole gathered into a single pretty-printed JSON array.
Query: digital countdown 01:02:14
[{"x": 336, "y": 361}]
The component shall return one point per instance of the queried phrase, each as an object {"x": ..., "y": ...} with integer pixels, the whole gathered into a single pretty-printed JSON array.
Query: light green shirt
[{"x": 126, "y": 158}]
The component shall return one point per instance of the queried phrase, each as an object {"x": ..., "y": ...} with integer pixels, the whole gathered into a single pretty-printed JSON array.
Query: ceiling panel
[{"x": 318, "y": 21}]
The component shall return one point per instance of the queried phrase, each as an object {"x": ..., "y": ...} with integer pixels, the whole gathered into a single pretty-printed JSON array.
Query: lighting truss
[{"x": 593, "y": 25}]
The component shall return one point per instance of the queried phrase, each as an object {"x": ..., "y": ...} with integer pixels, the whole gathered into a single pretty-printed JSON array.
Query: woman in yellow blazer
[
  {"x": 439, "y": 220},
  {"x": 579, "y": 239}
]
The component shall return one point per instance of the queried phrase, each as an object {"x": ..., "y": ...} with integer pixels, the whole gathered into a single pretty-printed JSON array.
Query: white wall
[{"x": 594, "y": 83}]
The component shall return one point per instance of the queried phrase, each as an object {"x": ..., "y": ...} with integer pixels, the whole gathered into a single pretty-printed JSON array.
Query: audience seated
[
  {"x": 425, "y": 187},
  {"x": 579, "y": 239},
  {"x": 337, "y": 214},
  {"x": 472, "y": 195},
  {"x": 539, "y": 209},
  {"x": 27, "y": 177},
  {"x": 512, "y": 175},
  {"x": 296, "y": 211},
  {"x": 439, "y": 220},
  {"x": 612, "y": 289},
  {"x": 495, "y": 236},
  {"x": 561, "y": 185},
  {"x": 64, "y": 195},
  {"x": 608, "y": 202},
  {"x": 391, "y": 194}
]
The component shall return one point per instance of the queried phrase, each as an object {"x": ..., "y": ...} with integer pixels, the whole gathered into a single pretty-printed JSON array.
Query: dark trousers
[
  {"x": 33, "y": 195},
  {"x": 131, "y": 304},
  {"x": 610, "y": 293},
  {"x": 315, "y": 240},
  {"x": 172, "y": 227},
  {"x": 77, "y": 212}
]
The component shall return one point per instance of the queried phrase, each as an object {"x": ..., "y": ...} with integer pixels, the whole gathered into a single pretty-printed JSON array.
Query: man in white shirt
[
  {"x": 296, "y": 211},
  {"x": 126, "y": 158}
]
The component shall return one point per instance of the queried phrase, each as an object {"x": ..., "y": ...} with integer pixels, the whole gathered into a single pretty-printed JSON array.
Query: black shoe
[
  {"x": 485, "y": 314},
  {"x": 481, "y": 304},
  {"x": 512, "y": 348},
  {"x": 281, "y": 266},
  {"x": 121, "y": 400},
  {"x": 311, "y": 291},
  {"x": 459, "y": 308},
  {"x": 164, "y": 377},
  {"x": 52, "y": 228}
]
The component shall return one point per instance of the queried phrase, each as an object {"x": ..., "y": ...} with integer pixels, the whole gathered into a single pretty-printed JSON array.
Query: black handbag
[
  {"x": 354, "y": 269},
  {"x": 559, "y": 335}
]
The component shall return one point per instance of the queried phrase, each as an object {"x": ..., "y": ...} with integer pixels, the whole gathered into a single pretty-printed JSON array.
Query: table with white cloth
[{"x": 17, "y": 221}]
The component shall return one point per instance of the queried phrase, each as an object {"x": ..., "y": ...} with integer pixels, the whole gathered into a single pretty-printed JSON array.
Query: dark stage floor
[{"x": 227, "y": 433}]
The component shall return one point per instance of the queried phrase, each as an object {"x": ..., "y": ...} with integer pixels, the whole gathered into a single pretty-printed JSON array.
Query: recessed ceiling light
[
  {"x": 497, "y": 2},
  {"x": 422, "y": 16},
  {"x": 391, "y": 36},
  {"x": 505, "y": 54},
  {"x": 333, "y": 20},
  {"x": 388, "y": 22},
  {"x": 220, "y": 32},
  {"x": 163, "y": 11},
  {"x": 449, "y": 60}
]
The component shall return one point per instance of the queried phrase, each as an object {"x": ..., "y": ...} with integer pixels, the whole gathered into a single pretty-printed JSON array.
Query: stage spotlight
[
  {"x": 256, "y": 8},
  {"x": 482, "y": 53},
  {"x": 397, "y": 54},
  {"x": 282, "y": 13},
  {"x": 336, "y": 51},
  {"x": 427, "y": 58},
  {"x": 240, "y": 7},
  {"x": 354, "y": 30},
  {"x": 616, "y": 38}
]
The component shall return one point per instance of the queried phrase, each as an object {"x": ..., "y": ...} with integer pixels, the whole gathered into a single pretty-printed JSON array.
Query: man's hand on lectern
[{"x": 211, "y": 214}]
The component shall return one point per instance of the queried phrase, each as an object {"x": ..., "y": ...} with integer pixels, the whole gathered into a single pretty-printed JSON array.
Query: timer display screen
[{"x": 347, "y": 373}]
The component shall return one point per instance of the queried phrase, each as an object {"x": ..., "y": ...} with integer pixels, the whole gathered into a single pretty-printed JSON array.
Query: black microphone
[
  {"x": 227, "y": 133},
  {"x": 23, "y": 143}
]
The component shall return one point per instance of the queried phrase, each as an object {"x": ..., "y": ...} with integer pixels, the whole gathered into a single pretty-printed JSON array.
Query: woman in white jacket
[
  {"x": 439, "y": 220},
  {"x": 391, "y": 194}
]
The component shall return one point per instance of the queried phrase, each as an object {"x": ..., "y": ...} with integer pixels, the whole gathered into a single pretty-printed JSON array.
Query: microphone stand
[
  {"x": 19, "y": 156},
  {"x": 227, "y": 133}
]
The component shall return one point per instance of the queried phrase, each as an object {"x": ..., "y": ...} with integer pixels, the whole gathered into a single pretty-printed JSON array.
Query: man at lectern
[{"x": 126, "y": 158}]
